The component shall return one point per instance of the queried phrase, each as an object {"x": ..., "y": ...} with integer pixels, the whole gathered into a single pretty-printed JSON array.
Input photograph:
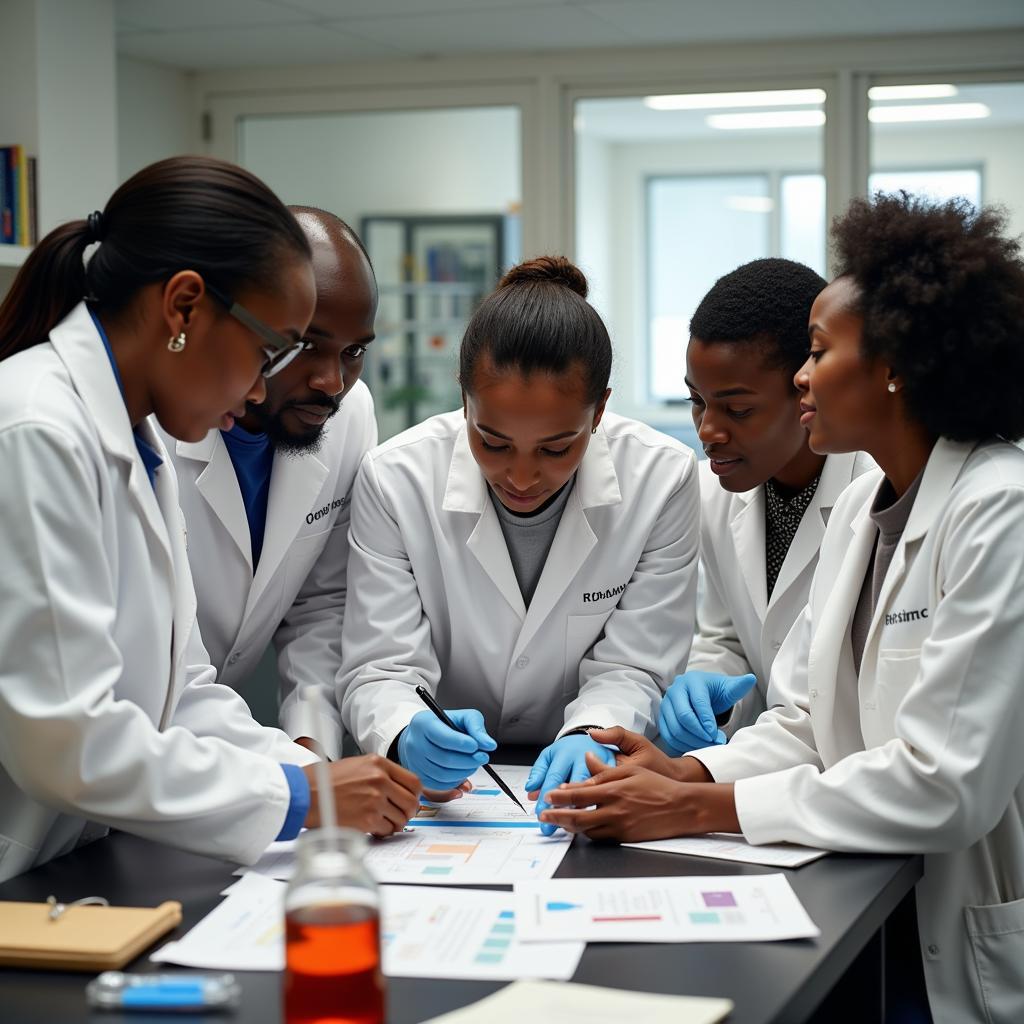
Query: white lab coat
[
  {"x": 433, "y": 598},
  {"x": 738, "y": 629},
  {"x": 297, "y": 596},
  {"x": 108, "y": 714},
  {"x": 923, "y": 752}
]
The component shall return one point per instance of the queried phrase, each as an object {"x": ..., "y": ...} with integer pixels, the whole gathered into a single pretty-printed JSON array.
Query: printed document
[
  {"x": 425, "y": 933},
  {"x": 732, "y": 846},
  {"x": 485, "y": 804},
  {"x": 719, "y": 908}
]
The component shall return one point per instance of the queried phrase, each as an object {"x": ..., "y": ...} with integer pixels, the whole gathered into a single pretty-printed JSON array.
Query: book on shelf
[{"x": 18, "y": 219}]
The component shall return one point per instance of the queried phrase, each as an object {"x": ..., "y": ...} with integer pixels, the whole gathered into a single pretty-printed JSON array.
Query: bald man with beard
[{"x": 266, "y": 503}]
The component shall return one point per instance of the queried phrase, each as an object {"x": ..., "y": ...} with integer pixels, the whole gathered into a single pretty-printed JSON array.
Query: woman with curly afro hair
[{"x": 896, "y": 715}]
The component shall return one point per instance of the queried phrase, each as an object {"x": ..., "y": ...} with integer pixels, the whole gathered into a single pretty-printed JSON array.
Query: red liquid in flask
[{"x": 332, "y": 969}]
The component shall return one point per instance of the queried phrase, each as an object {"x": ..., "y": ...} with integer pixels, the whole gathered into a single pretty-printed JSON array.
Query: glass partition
[
  {"x": 436, "y": 196},
  {"x": 672, "y": 191}
]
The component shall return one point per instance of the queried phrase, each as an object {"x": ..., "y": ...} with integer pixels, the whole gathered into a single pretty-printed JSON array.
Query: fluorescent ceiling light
[
  {"x": 928, "y": 112},
  {"x": 723, "y": 100},
  {"x": 751, "y": 204},
  {"x": 912, "y": 92},
  {"x": 768, "y": 119}
]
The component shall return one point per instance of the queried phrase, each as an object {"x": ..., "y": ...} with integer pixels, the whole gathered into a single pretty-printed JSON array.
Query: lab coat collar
[
  {"x": 79, "y": 346},
  {"x": 295, "y": 482},
  {"x": 466, "y": 490},
  {"x": 940, "y": 473},
  {"x": 941, "y": 470},
  {"x": 836, "y": 475},
  {"x": 597, "y": 483},
  {"x": 218, "y": 485},
  {"x": 748, "y": 538}
]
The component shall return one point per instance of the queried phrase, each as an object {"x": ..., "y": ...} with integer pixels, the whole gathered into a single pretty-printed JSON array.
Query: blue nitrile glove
[
  {"x": 687, "y": 717},
  {"x": 442, "y": 757},
  {"x": 565, "y": 760}
]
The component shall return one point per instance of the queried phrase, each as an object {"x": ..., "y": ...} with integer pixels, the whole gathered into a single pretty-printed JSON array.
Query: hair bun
[{"x": 556, "y": 269}]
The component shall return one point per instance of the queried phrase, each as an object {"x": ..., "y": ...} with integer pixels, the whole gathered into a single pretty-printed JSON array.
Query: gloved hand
[
  {"x": 444, "y": 758},
  {"x": 565, "y": 760},
  {"x": 687, "y": 717}
]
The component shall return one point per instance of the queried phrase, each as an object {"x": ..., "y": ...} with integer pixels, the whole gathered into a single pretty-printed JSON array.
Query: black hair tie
[{"x": 94, "y": 227}]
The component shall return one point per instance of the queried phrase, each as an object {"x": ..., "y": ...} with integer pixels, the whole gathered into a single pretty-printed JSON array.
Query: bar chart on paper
[
  {"x": 466, "y": 856},
  {"x": 425, "y": 933},
  {"x": 445, "y": 933},
  {"x": 719, "y": 908}
]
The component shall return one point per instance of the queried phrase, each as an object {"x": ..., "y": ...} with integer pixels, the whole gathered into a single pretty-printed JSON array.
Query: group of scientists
[{"x": 190, "y": 472}]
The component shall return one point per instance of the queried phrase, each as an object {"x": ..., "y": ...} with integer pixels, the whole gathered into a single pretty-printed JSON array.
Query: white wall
[
  {"x": 411, "y": 162},
  {"x": 155, "y": 116},
  {"x": 76, "y": 108},
  {"x": 999, "y": 152}
]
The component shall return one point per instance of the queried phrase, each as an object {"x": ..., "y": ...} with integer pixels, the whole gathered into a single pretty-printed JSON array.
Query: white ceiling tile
[
  {"x": 159, "y": 15},
  {"x": 672, "y": 22},
  {"x": 226, "y": 33},
  {"x": 342, "y": 10},
  {"x": 217, "y": 49},
  {"x": 488, "y": 31}
]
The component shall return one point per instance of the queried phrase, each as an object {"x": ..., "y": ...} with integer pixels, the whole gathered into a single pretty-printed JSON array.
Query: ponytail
[
  {"x": 48, "y": 286},
  {"x": 186, "y": 213}
]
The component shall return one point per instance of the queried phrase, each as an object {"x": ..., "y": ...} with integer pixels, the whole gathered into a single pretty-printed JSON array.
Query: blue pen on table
[{"x": 424, "y": 695}]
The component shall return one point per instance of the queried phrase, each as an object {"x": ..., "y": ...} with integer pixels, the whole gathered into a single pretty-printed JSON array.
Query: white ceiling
[
  {"x": 215, "y": 34},
  {"x": 630, "y": 120}
]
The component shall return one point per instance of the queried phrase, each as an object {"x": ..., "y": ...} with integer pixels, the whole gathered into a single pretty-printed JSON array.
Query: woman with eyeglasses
[{"x": 199, "y": 285}]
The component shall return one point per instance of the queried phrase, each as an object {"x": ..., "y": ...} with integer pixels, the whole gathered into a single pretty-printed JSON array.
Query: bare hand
[
  {"x": 632, "y": 804},
  {"x": 637, "y": 750},
  {"x": 311, "y": 744},
  {"x": 371, "y": 794}
]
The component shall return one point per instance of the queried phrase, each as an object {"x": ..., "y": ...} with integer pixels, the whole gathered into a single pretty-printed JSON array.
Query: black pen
[{"x": 424, "y": 695}]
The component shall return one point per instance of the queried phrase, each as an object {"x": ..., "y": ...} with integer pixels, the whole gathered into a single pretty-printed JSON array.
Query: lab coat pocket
[
  {"x": 581, "y": 633},
  {"x": 997, "y": 942},
  {"x": 894, "y": 675}
]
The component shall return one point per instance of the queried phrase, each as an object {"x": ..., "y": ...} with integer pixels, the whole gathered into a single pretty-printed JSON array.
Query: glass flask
[{"x": 332, "y": 933}]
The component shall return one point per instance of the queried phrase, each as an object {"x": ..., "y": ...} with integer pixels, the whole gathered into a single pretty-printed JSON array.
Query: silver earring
[
  {"x": 176, "y": 344},
  {"x": 594, "y": 431},
  {"x": 892, "y": 387}
]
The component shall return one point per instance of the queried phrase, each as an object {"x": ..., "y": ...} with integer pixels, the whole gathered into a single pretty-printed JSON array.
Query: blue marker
[{"x": 205, "y": 993}]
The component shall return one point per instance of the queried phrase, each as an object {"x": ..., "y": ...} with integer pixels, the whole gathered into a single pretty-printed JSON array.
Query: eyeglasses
[{"x": 279, "y": 350}]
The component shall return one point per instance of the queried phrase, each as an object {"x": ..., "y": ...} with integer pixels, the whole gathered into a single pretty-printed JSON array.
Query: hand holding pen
[{"x": 445, "y": 748}]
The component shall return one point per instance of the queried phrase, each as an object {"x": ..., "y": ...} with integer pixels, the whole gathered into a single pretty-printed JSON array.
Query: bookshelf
[{"x": 432, "y": 272}]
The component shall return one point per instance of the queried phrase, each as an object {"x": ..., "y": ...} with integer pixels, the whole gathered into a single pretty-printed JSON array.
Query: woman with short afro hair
[{"x": 898, "y": 707}]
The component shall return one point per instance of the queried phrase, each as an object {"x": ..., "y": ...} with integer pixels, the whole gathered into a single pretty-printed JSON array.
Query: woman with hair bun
[
  {"x": 198, "y": 286},
  {"x": 530, "y": 559},
  {"x": 899, "y": 708}
]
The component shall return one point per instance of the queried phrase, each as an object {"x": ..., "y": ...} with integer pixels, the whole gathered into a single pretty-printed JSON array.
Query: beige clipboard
[{"x": 82, "y": 938}]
